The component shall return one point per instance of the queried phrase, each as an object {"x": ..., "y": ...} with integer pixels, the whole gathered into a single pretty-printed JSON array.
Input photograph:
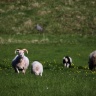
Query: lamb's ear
[
  {"x": 16, "y": 50},
  {"x": 25, "y": 50}
]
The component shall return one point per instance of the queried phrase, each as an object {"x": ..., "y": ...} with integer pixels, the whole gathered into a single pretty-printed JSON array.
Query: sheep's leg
[
  {"x": 67, "y": 65},
  {"x": 17, "y": 70},
  {"x": 23, "y": 71},
  {"x": 40, "y": 74}
]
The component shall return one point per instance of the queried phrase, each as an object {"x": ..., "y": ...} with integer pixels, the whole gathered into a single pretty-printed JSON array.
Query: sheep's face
[
  {"x": 66, "y": 59},
  {"x": 21, "y": 53}
]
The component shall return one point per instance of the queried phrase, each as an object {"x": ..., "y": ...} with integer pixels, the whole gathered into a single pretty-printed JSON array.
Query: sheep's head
[{"x": 21, "y": 52}]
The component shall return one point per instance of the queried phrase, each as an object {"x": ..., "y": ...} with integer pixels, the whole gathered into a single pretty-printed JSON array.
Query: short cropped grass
[
  {"x": 56, "y": 80},
  {"x": 52, "y": 83}
]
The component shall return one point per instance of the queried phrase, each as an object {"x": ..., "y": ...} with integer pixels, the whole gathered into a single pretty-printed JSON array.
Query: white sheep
[
  {"x": 92, "y": 60},
  {"x": 37, "y": 68},
  {"x": 67, "y": 61},
  {"x": 20, "y": 62}
]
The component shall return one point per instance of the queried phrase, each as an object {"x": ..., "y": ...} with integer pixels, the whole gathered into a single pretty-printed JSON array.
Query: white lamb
[
  {"x": 37, "y": 68},
  {"x": 20, "y": 62}
]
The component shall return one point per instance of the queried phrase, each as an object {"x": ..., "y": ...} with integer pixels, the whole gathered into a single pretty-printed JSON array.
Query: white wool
[
  {"x": 37, "y": 68},
  {"x": 70, "y": 59},
  {"x": 20, "y": 61}
]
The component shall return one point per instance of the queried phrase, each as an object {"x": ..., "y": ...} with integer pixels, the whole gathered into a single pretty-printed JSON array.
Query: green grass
[
  {"x": 52, "y": 83},
  {"x": 56, "y": 80}
]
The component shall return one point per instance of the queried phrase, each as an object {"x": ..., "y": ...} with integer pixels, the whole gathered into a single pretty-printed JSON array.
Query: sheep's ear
[
  {"x": 25, "y": 50},
  {"x": 16, "y": 50}
]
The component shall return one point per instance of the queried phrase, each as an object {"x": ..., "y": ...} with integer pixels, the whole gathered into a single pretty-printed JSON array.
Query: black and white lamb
[
  {"x": 20, "y": 62},
  {"x": 67, "y": 61}
]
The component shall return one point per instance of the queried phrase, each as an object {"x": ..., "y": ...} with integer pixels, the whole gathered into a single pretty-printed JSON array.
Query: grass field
[
  {"x": 69, "y": 29},
  {"x": 56, "y": 80}
]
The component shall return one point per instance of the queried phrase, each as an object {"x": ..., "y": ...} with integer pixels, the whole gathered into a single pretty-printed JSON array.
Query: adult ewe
[
  {"x": 37, "y": 68},
  {"x": 20, "y": 62},
  {"x": 67, "y": 61},
  {"x": 92, "y": 60}
]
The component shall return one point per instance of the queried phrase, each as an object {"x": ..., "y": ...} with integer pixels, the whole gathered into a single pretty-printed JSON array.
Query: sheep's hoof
[
  {"x": 41, "y": 74},
  {"x": 23, "y": 71}
]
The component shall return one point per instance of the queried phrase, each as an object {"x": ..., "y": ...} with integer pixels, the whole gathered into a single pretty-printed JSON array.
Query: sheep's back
[
  {"x": 37, "y": 65},
  {"x": 92, "y": 54}
]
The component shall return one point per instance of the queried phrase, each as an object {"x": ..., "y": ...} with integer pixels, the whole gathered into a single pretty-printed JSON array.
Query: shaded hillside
[{"x": 56, "y": 16}]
